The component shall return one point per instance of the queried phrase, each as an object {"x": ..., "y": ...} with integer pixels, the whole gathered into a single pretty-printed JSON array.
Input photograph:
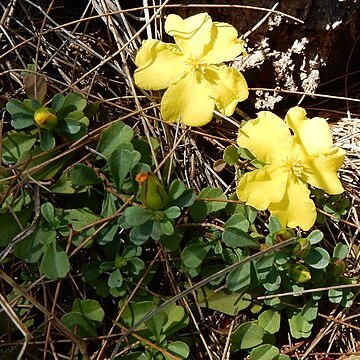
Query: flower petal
[
  {"x": 224, "y": 44},
  {"x": 188, "y": 100},
  {"x": 159, "y": 65},
  {"x": 190, "y": 34},
  {"x": 310, "y": 135},
  {"x": 262, "y": 187},
  {"x": 228, "y": 87},
  {"x": 322, "y": 170},
  {"x": 296, "y": 208},
  {"x": 267, "y": 137}
]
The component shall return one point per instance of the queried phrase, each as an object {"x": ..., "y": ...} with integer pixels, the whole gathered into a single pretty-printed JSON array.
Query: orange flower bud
[{"x": 152, "y": 192}]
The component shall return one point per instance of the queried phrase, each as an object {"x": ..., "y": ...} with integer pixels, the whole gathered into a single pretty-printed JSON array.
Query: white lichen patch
[{"x": 266, "y": 99}]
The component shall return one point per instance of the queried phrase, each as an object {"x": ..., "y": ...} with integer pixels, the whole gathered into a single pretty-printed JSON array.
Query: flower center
[
  {"x": 196, "y": 64},
  {"x": 294, "y": 166}
]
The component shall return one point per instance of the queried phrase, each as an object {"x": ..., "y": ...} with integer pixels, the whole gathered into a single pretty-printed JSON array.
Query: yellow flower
[
  {"x": 192, "y": 69},
  {"x": 291, "y": 162},
  {"x": 45, "y": 118}
]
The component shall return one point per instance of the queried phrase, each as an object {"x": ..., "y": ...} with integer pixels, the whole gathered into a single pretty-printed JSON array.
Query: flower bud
[
  {"x": 284, "y": 234},
  {"x": 302, "y": 248},
  {"x": 152, "y": 192},
  {"x": 300, "y": 273},
  {"x": 45, "y": 118}
]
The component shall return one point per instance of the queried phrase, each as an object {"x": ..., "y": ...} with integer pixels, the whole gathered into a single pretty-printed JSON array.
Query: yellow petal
[
  {"x": 296, "y": 208},
  {"x": 188, "y": 100},
  {"x": 224, "y": 44},
  {"x": 263, "y": 186},
  {"x": 228, "y": 87},
  {"x": 322, "y": 170},
  {"x": 190, "y": 34},
  {"x": 310, "y": 135},
  {"x": 267, "y": 137},
  {"x": 159, "y": 65}
]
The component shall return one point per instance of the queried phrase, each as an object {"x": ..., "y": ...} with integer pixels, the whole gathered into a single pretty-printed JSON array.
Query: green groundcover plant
[{"x": 98, "y": 215}]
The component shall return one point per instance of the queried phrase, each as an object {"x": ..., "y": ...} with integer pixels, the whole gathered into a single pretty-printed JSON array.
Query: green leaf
[
  {"x": 22, "y": 120},
  {"x": 231, "y": 155},
  {"x": 223, "y": 300},
  {"x": 272, "y": 280},
  {"x": 120, "y": 162},
  {"x": 299, "y": 326},
  {"x": 201, "y": 209},
  {"x": 92, "y": 109},
  {"x": 310, "y": 310},
  {"x": 108, "y": 233},
  {"x": 185, "y": 200},
  {"x": 15, "y": 144},
  {"x": 136, "y": 215},
  {"x": 263, "y": 266},
  {"x": 79, "y": 324},
  {"x": 47, "y": 140},
  {"x": 90, "y": 309},
  {"x": 108, "y": 206},
  {"x": 315, "y": 237},
  {"x": 274, "y": 225},
  {"x": 318, "y": 258},
  {"x": 179, "y": 349},
  {"x": 135, "y": 311},
  {"x": 172, "y": 242},
  {"x": 194, "y": 254},
  {"x": 132, "y": 251},
  {"x": 172, "y": 212},
  {"x": 74, "y": 102},
  {"x": 348, "y": 299},
  {"x": 135, "y": 266},
  {"x": 32, "y": 247},
  {"x": 9, "y": 226},
  {"x": 176, "y": 319},
  {"x": 238, "y": 221},
  {"x": 48, "y": 213},
  {"x": 269, "y": 320},
  {"x": 140, "y": 234},
  {"x": 239, "y": 279},
  {"x": 176, "y": 189},
  {"x": 179, "y": 196},
  {"x": 71, "y": 125},
  {"x": 64, "y": 186},
  {"x": 167, "y": 227},
  {"x": 17, "y": 107},
  {"x": 115, "y": 279},
  {"x": 234, "y": 237},
  {"x": 77, "y": 218},
  {"x": 82, "y": 175},
  {"x": 336, "y": 295},
  {"x": 55, "y": 263},
  {"x": 264, "y": 352},
  {"x": 247, "y": 336},
  {"x": 155, "y": 325},
  {"x": 341, "y": 251},
  {"x": 57, "y": 102},
  {"x": 143, "y": 147},
  {"x": 37, "y": 157},
  {"x": 116, "y": 134},
  {"x": 245, "y": 154}
]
